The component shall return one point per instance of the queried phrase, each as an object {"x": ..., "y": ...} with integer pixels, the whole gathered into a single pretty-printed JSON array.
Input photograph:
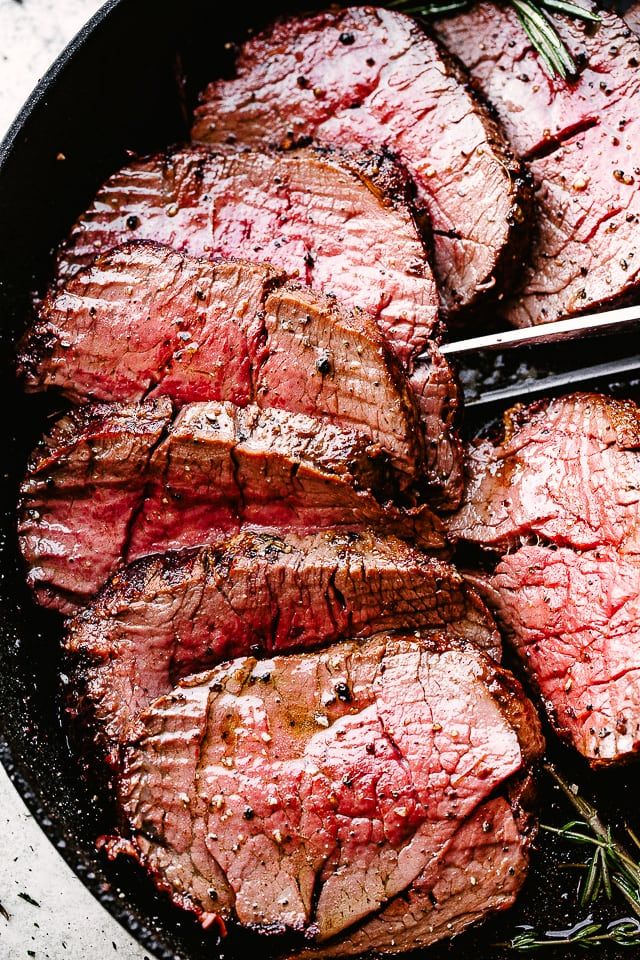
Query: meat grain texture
[
  {"x": 248, "y": 485},
  {"x": 341, "y": 224},
  {"x": 367, "y": 77},
  {"x": 559, "y": 498},
  {"x": 306, "y": 792},
  {"x": 116, "y": 482},
  {"x": 481, "y": 871},
  {"x": 580, "y": 141},
  {"x": 146, "y": 322},
  {"x": 171, "y": 615}
]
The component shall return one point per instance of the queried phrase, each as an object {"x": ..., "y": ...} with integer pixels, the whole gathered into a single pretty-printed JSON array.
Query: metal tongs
[{"x": 625, "y": 320}]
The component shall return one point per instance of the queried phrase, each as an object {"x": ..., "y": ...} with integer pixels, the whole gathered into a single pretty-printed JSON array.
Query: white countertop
[{"x": 68, "y": 923}]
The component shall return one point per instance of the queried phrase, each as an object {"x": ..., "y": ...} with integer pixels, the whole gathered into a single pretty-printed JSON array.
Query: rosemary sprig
[
  {"x": 535, "y": 21},
  {"x": 624, "y": 933},
  {"x": 611, "y": 866},
  {"x": 544, "y": 38}
]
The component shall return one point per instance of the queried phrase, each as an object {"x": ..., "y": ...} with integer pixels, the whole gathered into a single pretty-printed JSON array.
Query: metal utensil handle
[
  {"x": 574, "y": 328},
  {"x": 528, "y": 388}
]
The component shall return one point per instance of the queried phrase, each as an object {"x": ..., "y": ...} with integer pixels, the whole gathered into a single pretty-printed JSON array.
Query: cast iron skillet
[{"x": 127, "y": 82}]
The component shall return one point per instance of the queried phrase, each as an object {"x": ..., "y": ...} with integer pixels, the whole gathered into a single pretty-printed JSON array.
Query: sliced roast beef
[
  {"x": 167, "y": 616},
  {"x": 342, "y": 225},
  {"x": 563, "y": 485},
  {"x": 143, "y": 320},
  {"x": 574, "y": 619},
  {"x": 579, "y": 138},
  {"x": 84, "y": 483},
  {"x": 369, "y": 77},
  {"x": 307, "y": 791},
  {"x": 480, "y": 871},
  {"x": 106, "y": 487},
  {"x": 566, "y": 471},
  {"x": 146, "y": 321},
  {"x": 435, "y": 385}
]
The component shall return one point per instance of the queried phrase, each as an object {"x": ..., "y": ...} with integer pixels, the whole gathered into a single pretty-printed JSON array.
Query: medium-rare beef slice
[
  {"x": 566, "y": 471},
  {"x": 84, "y": 483},
  {"x": 579, "y": 138},
  {"x": 221, "y": 467},
  {"x": 340, "y": 224},
  {"x": 574, "y": 619},
  {"x": 480, "y": 872},
  {"x": 366, "y": 249},
  {"x": 167, "y": 616},
  {"x": 93, "y": 497},
  {"x": 366, "y": 77},
  {"x": 563, "y": 485},
  {"x": 144, "y": 320},
  {"x": 307, "y": 791}
]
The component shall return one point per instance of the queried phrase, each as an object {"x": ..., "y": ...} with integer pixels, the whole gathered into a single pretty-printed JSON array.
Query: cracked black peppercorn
[{"x": 323, "y": 365}]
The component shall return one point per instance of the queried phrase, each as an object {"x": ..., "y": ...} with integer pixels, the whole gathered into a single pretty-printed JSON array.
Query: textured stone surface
[{"x": 68, "y": 924}]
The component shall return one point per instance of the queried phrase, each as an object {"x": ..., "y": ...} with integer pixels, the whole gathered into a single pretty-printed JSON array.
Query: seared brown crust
[
  {"x": 107, "y": 487},
  {"x": 216, "y": 773},
  {"x": 299, "y": 81},
  {"x": 381, "y": 173},
  {"x": 167, "y": 616}
]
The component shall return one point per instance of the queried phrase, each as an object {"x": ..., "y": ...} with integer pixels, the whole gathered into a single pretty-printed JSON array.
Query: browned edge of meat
[
  {"x": 577, "y": 637},
  {"x": 399, "y": 294},
  {"x": 341, "y": 223},
  {"x": 83, "y": 483},
  {"x": 167, "y": 616},
  {"x": 300, "y": 81},
  {"x": 563, "y": 471},
  {"x": 522, "y": 219},
  {"x": 121, "y": 481},
  {"x": 436, "y": 386},
  {"x": 480, "y": 872},
  {"x": 144, "y": 321},
  {"x": 578, "y": 138},
  {"x": 483, "y": 694}
]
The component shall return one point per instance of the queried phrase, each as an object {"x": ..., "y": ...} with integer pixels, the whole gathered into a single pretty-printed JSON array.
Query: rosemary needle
[
  {"x": 535, "y": 21},
  {"x": 624, "y": 933},
  {"x": 611, "y": 866}
]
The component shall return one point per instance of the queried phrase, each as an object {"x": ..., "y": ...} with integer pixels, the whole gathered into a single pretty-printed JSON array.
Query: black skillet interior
[{"x": 127, "y": 84}]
